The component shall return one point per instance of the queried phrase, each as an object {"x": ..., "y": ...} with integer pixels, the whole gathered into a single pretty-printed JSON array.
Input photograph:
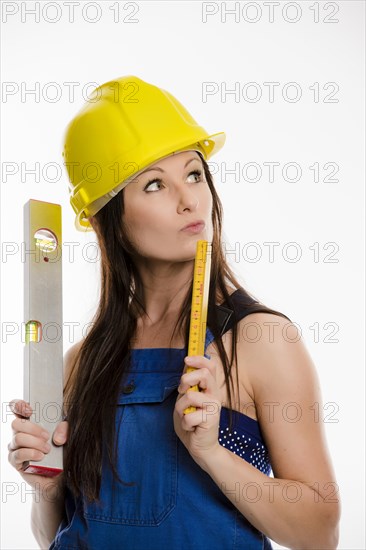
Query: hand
[
  {"x": 30, "y": 443},
  {"x": 198, "y": 430}
]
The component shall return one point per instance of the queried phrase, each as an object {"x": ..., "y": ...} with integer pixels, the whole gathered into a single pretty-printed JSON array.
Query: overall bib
[{"x": 173, "y": 503}]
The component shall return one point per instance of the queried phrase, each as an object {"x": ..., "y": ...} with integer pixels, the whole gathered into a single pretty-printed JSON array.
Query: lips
[{"x": 194, "y": 225}]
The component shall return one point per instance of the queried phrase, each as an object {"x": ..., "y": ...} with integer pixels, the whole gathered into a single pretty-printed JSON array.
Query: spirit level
[
  {"x": 43, "y": 356},
  {"x": 200, "y": 292}
]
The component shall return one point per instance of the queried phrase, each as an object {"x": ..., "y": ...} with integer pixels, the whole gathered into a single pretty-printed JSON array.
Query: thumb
[
  {"x": 60, "y": 433},
  {"x": 20, "y": 408}
]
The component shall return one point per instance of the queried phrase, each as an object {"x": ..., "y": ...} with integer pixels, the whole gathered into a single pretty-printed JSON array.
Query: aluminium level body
[{"x": 43, "y": 350}]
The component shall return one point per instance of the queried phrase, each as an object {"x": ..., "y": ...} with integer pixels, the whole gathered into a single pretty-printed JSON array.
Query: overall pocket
[{"x": 147, "y": 454}]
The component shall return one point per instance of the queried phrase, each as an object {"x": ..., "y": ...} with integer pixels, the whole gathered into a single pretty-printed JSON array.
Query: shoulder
[
  {"x": 266, "y": 328},
  {"x": 269, "y": 335},
  {"x": 274, "y": 354}
]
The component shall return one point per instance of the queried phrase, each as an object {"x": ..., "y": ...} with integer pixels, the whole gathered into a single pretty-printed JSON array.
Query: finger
[
  {"x": 23, "y": 440},
  {"x": 201, "y": 416},
  {"x": 199, "y": 362},
  {"x": 61, "y": 433},
  {"x": 19, "y": 456},
  {"x": 199, "y": 400},
  {"x": 192, "y": 420},
  {"x": 196, "y": 360},
  {"x": 202, "y": 377},
  {"x": 187, "y": 400},
  {"x": 20, "y": 408},
  {"x": 29, "y": 427}
]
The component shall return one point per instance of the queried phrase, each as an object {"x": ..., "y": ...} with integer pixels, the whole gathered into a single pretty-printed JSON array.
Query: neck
[{"x": 165, "y": 287}]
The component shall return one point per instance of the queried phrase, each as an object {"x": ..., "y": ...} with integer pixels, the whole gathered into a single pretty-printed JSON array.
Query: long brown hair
[{"x": 92, "y": 390}]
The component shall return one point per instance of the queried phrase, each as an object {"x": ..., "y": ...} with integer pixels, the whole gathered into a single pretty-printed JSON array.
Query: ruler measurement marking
[{"x": 198, "y": 322}]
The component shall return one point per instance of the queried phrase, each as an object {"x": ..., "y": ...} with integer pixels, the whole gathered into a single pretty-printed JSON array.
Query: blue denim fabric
[{"x": 173, "y": 503}]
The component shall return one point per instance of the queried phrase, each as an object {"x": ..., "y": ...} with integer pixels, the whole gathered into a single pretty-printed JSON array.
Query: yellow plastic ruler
[
  {"x": 200, "y": 293},
  {"x": 43, "y": 350}
]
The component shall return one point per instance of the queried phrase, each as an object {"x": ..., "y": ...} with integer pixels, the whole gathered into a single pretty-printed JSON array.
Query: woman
[{"x": 138, "y": 472}]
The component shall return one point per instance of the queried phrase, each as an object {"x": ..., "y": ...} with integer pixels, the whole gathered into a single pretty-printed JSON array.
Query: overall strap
[{"x": 243, "y": 305}]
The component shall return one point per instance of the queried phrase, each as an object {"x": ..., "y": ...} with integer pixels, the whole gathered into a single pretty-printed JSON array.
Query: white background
[{"x": 172, "y": 45}]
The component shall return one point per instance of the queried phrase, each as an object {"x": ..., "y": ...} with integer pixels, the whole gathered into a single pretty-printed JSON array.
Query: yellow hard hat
[{"x": 125, "y": 125}]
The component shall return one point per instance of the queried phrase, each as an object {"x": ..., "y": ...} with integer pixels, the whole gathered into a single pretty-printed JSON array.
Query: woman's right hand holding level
[{"x": 32, "y": 442}]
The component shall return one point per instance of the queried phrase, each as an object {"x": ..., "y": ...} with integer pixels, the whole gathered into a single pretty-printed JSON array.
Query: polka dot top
[{"x": 245, "y": 439}]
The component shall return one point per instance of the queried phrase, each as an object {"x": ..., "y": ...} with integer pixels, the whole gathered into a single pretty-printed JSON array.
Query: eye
[
  {"x": 150, "y": 182},
  {"x": 197, "y": 173}
]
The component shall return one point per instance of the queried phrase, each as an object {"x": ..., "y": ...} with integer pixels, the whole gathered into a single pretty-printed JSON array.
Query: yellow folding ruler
[
  {"x": 43, "y": 356},
  {"x": 200, "y": 293}
]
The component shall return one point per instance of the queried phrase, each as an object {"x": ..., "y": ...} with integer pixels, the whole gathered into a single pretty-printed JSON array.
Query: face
[{"x": 159, "y": 202}]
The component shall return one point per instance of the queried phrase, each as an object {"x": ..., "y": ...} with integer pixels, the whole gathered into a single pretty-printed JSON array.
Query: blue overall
[{"x": 173, "y": 503}]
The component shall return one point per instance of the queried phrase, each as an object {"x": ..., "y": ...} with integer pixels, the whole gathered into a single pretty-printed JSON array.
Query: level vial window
[
  {"x": 45, "y": 240},
  {"x": 33, "y": 332}
]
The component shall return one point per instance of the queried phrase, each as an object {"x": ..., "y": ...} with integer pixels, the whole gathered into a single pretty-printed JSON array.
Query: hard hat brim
[{"x": 209, "y": 146}]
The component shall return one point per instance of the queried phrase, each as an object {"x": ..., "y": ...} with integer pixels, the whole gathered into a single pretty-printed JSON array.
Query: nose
[{"x": 188, "y": 199}]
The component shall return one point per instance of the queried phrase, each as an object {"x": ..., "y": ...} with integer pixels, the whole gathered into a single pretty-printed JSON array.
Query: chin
[{"x": 192, "y": 248}]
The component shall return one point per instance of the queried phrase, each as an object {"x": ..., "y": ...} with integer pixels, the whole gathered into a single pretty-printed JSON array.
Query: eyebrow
[{"x": 161, "y": 170}]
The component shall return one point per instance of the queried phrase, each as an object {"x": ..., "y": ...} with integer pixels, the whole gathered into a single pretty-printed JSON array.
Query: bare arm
[
  {"x": 299, "y": 507},
  {"x": 46, "y": 516}
]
